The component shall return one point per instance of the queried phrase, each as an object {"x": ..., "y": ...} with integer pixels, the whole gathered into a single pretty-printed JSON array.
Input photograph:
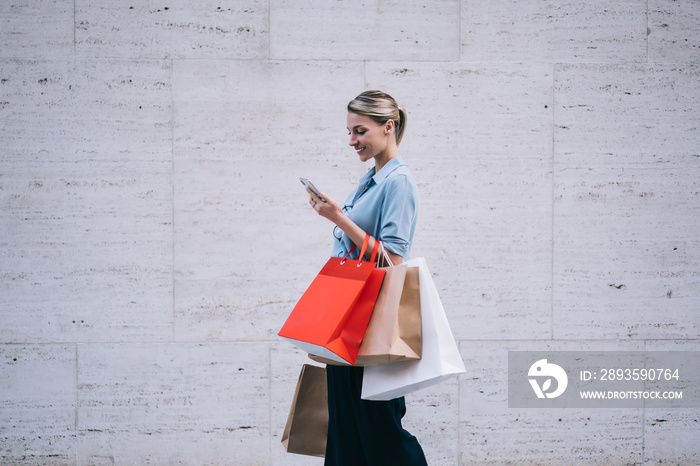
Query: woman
[{"x": 385, "y": 206}]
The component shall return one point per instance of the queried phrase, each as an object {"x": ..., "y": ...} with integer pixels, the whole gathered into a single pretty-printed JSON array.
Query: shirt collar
[
  {"x": 386, "y": 170},
  {"x": 370, "y": 179}
]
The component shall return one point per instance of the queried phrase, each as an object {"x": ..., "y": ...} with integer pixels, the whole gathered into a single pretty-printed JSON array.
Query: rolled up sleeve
[{"x": 398, "y": 215}]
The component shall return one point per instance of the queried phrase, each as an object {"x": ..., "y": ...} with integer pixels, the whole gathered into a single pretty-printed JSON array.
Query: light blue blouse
[{"x": 385, "y": 205}]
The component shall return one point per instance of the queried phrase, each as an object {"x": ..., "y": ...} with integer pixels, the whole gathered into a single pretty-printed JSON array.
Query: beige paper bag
[
  {"x": 394, "y": 330},
  {"x": 440, "y": 358},
  {"x": 307, "y": 424}
]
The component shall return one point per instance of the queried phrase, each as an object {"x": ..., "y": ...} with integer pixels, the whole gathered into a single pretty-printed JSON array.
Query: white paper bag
[{"x": 440, "y": 359}]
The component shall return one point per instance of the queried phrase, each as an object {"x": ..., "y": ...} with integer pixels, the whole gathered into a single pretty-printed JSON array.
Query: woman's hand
[
  {"x": 328, "y": 209},
  {"x": 333, "y": 212}
]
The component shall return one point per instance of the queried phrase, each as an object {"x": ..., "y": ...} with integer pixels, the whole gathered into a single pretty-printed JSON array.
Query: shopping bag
[
  {"x": 307, "y": 424},
  {"x": 331, "y": 317},
  {"x": 394, "y": 330},
  {"x": 440, "y": 354}
]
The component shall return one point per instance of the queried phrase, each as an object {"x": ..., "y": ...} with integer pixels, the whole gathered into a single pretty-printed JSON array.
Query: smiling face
[{"x": 369, "y": 138}]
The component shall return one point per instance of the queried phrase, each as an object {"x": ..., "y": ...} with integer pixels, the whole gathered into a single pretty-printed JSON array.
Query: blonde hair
[{"x": 380, "y": 107}]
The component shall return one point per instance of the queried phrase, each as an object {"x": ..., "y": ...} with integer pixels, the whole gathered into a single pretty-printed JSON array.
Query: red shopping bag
[{"x": 331, "y": 317}]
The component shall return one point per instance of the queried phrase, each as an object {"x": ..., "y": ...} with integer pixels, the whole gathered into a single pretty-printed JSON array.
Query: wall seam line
[
  {"x": 459, "y": 34},
  {"x": 269, "y": 402},
  {"x": 172, "y": 184},
  {"x": 364, "y": 74},
  {"x": 646, "y": 36},
  {"x": 644, "y": 414},
  {"x": 75, "y": 28},
  {"x": 269, "y": 30},
  {"x": 552, "y": 250},
  {"x": 77, "y": 408},
  {"x": 459, "y": 413}
]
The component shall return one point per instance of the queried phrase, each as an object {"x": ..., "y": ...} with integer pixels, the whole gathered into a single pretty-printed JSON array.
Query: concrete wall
[{"x": 154, "y": 236}]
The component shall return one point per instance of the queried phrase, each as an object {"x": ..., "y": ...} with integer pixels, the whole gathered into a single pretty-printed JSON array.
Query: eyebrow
[{"x": 355, "y": 127}]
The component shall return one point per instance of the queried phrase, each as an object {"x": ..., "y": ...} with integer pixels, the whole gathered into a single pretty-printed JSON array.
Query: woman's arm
[{"x": 333, "y": 212}]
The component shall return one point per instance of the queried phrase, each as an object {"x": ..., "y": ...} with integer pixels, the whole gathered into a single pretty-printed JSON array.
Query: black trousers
[{"x": 364, "y": 432}]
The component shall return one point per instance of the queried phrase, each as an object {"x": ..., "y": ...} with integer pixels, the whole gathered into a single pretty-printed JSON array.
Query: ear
[{"x": 389, "y": 127}]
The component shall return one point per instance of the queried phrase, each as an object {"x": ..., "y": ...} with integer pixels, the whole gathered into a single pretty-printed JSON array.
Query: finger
[
  {"x": 312, "y": 196},
  {"x": 324, "y": 198}
]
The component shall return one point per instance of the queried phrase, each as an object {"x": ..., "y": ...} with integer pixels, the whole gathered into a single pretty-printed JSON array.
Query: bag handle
[
  {"x": 375, "y": 250},
  {"x": 386, "y": 257},
  {"x": 365, "y": 243}
]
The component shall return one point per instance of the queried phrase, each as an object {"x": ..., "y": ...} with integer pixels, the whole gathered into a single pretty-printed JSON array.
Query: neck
[{"x": 382, "y": 159}]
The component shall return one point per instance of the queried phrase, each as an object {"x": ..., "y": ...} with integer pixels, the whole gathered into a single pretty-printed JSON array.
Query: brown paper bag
[
  {"x": 394, "y": 330},
  {"x": 307, "y": 424}
]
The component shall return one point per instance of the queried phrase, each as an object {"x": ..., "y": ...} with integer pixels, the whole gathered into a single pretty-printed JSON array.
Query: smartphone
[{"x": 311, "y": 186}]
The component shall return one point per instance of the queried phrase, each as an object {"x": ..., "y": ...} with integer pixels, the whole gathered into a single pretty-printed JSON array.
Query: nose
[{"x": 353, "y": 140}]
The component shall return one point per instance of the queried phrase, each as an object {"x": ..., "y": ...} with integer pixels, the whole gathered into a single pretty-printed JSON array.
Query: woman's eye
[{"x": 361, "y": 132}]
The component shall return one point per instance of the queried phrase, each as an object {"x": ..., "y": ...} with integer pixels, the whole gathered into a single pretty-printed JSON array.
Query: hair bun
[{"x": 380, "y": 107}]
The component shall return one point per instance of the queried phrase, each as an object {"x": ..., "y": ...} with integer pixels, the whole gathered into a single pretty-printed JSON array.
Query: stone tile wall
[{"x": 154, "y": 236}]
